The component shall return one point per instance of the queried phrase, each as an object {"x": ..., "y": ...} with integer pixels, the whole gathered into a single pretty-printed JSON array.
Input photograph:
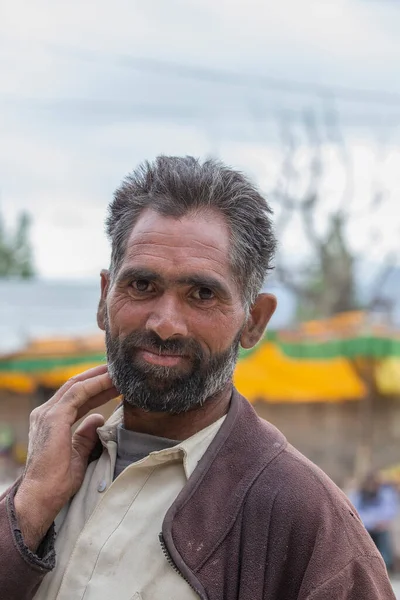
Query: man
[
  {"x": 377, "y": 506},
  {"x": 184, "y": 493}
]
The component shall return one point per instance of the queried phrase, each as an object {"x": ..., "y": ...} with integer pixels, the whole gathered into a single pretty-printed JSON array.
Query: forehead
[{"x": 196, "y": 241}]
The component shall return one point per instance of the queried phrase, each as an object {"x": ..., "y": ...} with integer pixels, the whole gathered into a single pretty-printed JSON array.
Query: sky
[{"x": 90, "y": 89}]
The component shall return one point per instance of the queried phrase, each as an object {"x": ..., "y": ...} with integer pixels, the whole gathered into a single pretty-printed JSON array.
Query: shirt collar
[{"x": 190, "y": 451}]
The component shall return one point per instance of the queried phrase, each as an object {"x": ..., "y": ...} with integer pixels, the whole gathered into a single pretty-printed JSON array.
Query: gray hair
[{"x": 177, "y": 186}]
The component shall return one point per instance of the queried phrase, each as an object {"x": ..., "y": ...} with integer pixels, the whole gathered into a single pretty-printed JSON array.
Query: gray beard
[{"x": 156, "y": 388}]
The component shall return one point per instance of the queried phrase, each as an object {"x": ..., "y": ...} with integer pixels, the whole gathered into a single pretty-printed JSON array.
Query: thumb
[{"x": 85, "y": 436}]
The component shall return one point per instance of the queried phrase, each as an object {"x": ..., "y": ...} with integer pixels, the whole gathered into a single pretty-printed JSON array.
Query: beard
[{"x": 156, "y": 388}]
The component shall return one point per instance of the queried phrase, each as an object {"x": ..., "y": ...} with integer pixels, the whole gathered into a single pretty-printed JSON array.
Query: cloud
[{"x": 76, "y": 114}]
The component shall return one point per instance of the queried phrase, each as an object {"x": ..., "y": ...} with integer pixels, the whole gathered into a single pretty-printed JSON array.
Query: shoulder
[
  {"x": 299, "y": 498},
  {"x": 311, "y": 531},
  {"x": 312, "y": 527}
]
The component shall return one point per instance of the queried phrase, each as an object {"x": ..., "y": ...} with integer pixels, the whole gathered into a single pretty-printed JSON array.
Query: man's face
[{"x": 174, "y": 314}]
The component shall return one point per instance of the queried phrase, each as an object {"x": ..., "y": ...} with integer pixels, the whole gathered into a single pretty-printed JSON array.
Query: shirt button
[{"x": 102, "y": 486}]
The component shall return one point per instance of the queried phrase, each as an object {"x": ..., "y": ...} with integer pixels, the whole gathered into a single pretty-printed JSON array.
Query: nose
[{"x": 167, "y": 319}]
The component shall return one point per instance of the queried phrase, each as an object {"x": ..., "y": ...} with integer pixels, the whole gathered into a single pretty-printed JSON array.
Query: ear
[
  {"x": 260, "y": 314},
  {"x": 101, "y": 310}
]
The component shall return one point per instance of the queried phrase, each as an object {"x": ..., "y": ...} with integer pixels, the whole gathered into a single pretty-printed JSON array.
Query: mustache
[{"x": 151, "y": 341}]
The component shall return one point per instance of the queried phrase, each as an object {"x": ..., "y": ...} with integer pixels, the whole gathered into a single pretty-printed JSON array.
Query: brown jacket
[{"x": 256, "y": 521}]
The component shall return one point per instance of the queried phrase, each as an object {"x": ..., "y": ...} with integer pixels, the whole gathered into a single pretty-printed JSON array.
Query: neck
[{"x": 181, "y": 426}]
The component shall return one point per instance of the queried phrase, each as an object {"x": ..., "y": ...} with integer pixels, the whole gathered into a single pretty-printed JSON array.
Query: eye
[
  {"x": 204, "y": 293},
  {"x": 141, "y": 285}
]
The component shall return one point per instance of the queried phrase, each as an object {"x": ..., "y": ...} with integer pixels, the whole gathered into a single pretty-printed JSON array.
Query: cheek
[
  {"x": 217, "y": 331},
  {"x": 124, "y": 316}
]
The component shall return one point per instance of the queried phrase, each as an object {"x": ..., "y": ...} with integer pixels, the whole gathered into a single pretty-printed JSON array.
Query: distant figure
[{"x": 377, "y": 504}]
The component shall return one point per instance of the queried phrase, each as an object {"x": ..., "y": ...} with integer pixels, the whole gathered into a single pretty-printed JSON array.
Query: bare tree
[{"x": 323, "y": 279}]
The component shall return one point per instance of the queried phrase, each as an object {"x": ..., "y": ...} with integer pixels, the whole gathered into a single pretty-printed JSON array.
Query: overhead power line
[
  {"x": 126, "y": 108},
  {"x": 225, "y": 77},
  {"x": 219, "y": 76},
  {"x": 96, "y": 108}
]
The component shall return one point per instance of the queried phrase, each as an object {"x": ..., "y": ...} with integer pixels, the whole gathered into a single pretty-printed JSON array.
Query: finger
[
  {"x": 97, "y": 401},
  {"x": 83, "y": 397},
  {"x": 82, "y": 391},
  {"x": 91, "y": 422},
  {"x": 85, "y": 437},
  {"x": 89, "y": 373}
]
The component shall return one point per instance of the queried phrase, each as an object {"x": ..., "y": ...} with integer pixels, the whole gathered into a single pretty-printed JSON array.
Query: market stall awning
[{"x": 312, "y": 363}]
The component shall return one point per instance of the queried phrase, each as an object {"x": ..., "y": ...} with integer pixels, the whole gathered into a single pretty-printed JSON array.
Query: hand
[{"x": 57, "y": 460}]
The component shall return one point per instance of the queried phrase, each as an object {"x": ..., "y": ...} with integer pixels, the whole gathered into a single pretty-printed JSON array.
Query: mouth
[{"x": 163, "y": 359}]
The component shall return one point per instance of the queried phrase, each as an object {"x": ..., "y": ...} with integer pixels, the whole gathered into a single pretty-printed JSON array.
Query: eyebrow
[
  {"x": 138, "y": 273},
  {"x": 195, "y": 279},
  {"x": 205, "y": 281}
]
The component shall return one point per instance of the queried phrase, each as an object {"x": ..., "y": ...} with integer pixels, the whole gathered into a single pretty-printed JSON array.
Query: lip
[{"x": 163, "y": 360}]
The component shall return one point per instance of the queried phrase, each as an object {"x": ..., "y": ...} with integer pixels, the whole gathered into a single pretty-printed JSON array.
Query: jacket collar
[
  {"x": 210, "y": 501},
  {"x": 189, "y": 451}
]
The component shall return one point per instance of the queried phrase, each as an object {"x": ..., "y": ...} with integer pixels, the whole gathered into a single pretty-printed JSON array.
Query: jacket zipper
[{"x": 173, "y": 565}]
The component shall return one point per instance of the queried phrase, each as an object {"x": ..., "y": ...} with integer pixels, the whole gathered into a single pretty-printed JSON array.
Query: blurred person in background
[
  {"x": 377, "y": 503},
  {"x": 185, "y": 492}
]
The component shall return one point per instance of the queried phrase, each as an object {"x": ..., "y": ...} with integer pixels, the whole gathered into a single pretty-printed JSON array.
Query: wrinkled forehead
[{"x": 202, "y": 237}]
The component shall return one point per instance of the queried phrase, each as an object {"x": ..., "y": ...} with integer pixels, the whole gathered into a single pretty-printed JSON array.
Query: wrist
[{"x": 34, "y": 516}]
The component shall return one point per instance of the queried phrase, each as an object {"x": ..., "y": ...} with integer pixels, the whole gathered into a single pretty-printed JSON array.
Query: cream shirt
[{"x": 107, "y": 542}]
